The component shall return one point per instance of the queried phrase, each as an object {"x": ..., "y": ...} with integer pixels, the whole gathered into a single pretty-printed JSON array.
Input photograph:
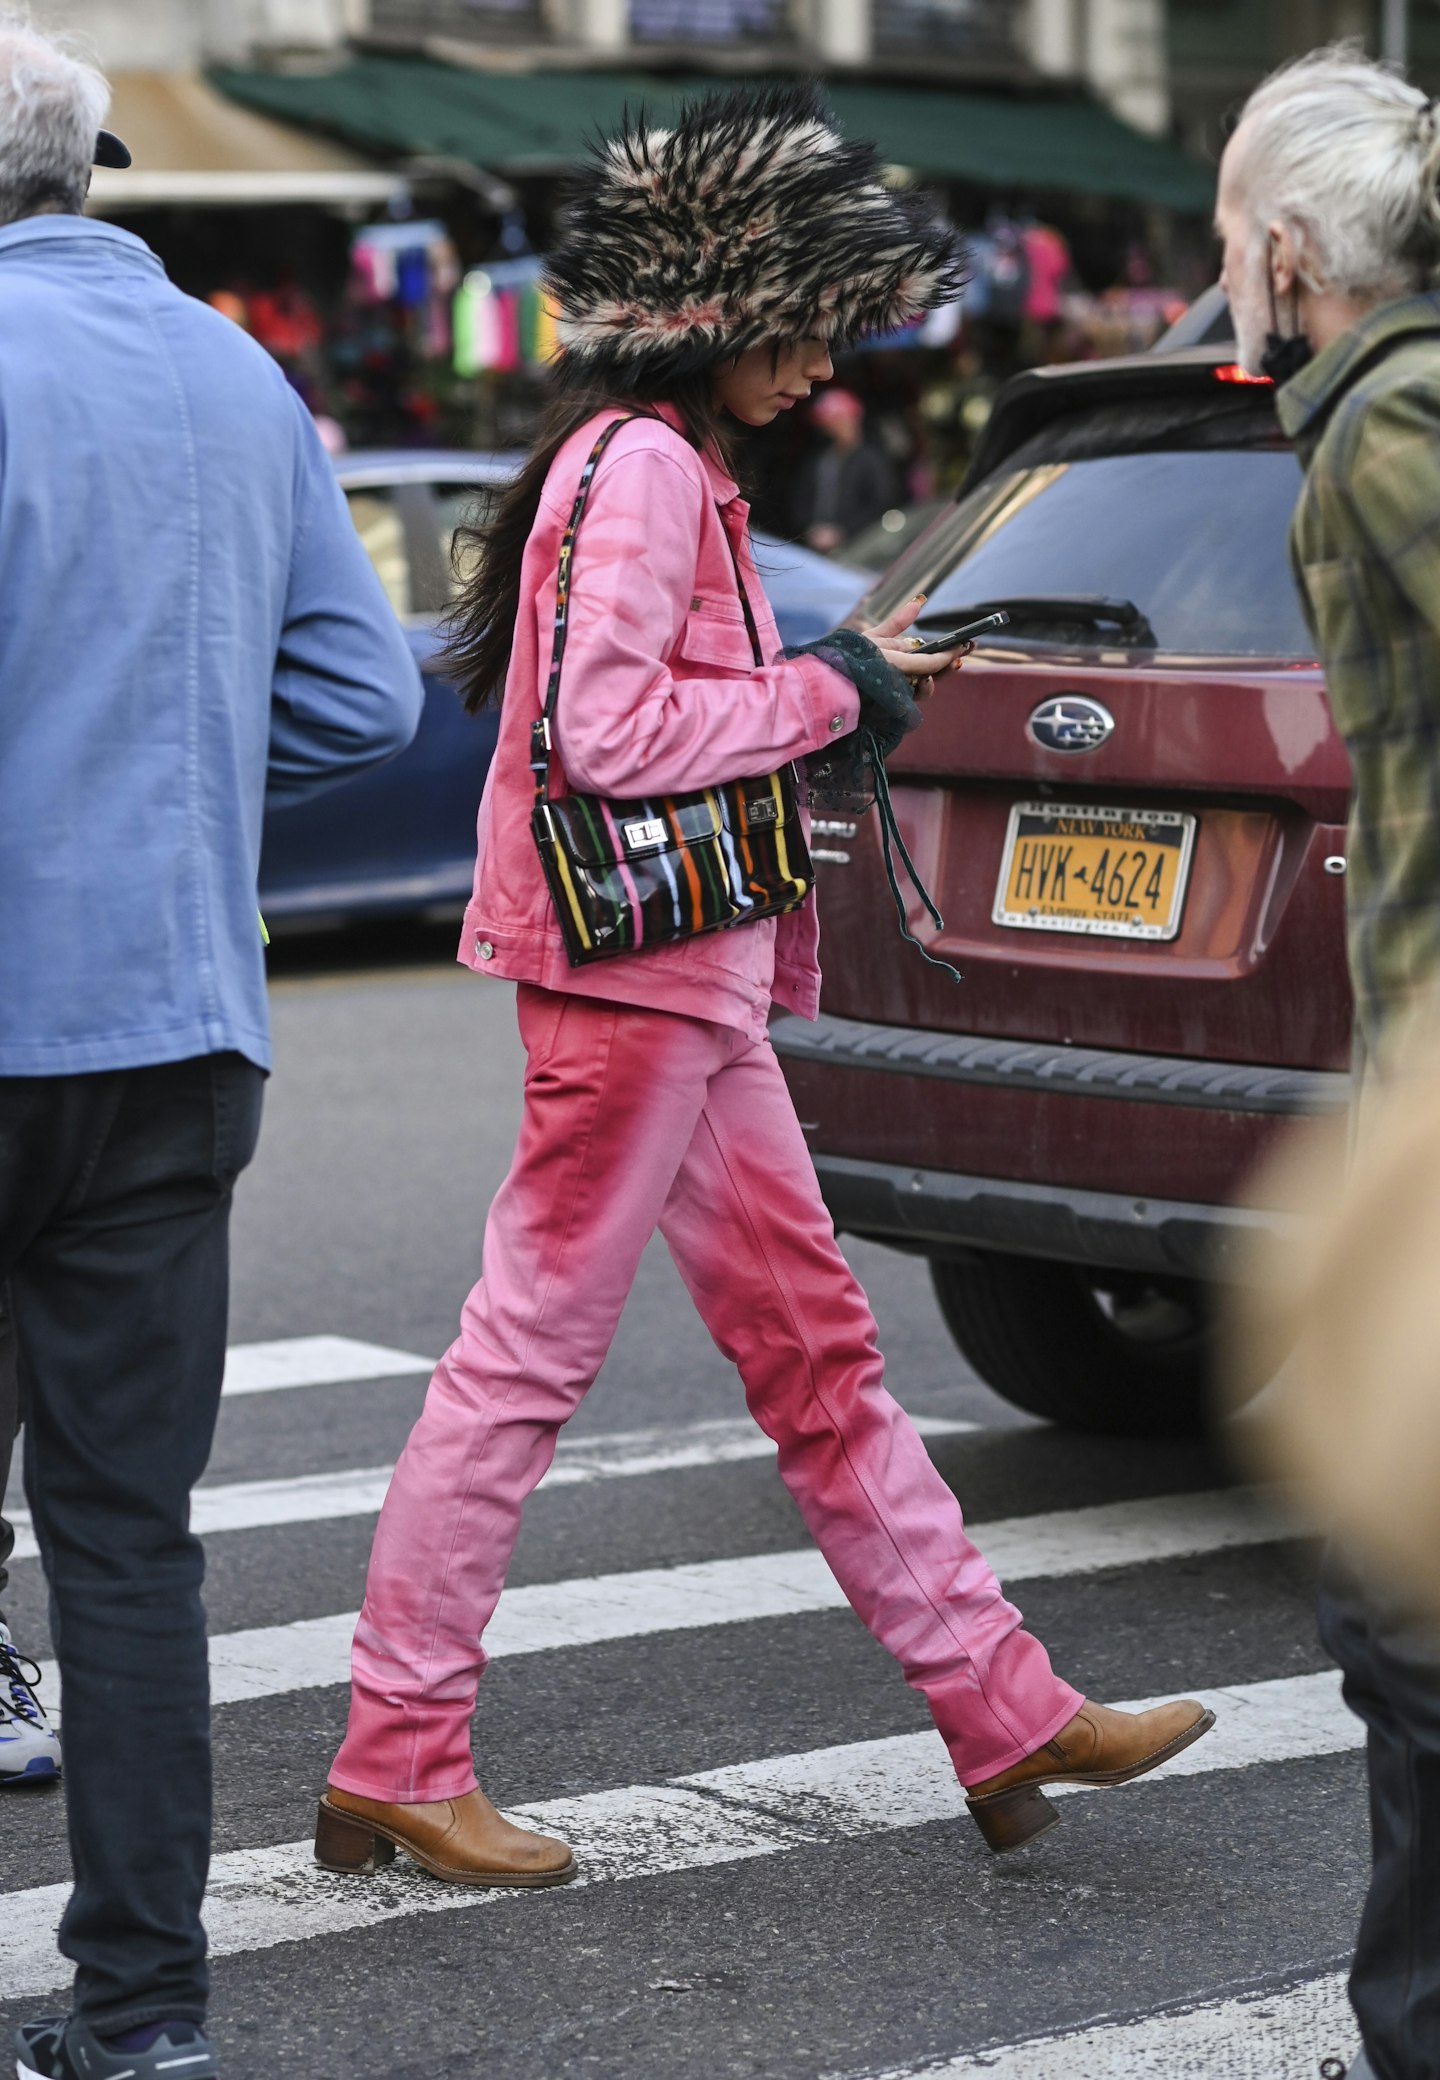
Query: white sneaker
[{"x": 29, "y": 1745}]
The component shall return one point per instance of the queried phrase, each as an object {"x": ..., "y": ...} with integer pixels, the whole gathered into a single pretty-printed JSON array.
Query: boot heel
[
  {"x": 1010, "y": 1819},
  {"x": 346, "y": 1844}
]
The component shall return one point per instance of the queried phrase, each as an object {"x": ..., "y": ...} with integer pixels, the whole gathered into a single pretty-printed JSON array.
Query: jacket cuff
[{"x": 833, "y": 701}]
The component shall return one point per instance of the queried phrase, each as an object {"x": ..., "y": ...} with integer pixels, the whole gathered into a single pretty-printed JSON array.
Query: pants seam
[
  {"x": 601, "y": 1087},
  {"x": 882, "y": 1518}
]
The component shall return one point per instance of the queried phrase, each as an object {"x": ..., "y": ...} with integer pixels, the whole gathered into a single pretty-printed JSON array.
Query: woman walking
[{"x": 706, "y": 271}]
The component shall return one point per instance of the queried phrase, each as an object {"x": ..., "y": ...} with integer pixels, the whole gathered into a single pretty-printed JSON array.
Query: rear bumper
[
  {"x": 917, "y": 1205},
  {"x": 935, "y": 1211},
  {"x": 1088, "y": 1072}
]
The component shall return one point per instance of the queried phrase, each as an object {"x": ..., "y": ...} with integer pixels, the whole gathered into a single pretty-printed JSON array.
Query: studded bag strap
[{"x": 541, "y": 732}]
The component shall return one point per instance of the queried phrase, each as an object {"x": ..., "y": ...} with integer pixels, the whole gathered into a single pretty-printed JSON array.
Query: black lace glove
[
  {"x": 842, "y": 776},
  {"x": 849, "y": 775}
]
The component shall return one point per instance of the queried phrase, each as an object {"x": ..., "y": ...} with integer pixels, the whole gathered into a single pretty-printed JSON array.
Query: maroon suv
[{"x": 1131, "y": 808}]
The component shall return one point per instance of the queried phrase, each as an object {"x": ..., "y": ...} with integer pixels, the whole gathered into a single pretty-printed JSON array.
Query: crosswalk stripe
[
  {"x": 273, "y": 1660},
  {"x": 262, "y": 1897},
  {"x": 1251, "y": 2036},
  {"x": 319, "y": 1498},
  {"x": 313, "y": 1361}
]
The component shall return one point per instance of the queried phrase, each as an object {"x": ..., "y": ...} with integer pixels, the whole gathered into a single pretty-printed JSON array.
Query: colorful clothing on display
[{"x": 503, "y": 320}]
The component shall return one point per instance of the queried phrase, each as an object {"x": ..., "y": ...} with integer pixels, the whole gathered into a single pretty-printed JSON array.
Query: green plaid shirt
[{"x": 1365, "y": 544}]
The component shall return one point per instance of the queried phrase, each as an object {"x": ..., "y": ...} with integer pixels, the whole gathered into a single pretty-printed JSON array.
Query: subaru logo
[{"x": 1070, "y": 722}]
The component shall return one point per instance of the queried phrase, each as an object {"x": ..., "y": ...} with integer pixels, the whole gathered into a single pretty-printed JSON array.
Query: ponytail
[{"x": 1347, "y": 152}]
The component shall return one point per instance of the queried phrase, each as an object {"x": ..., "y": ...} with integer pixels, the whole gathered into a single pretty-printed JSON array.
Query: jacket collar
[
  {"x": 61, "y": 234},
  {"x": 723, "y": 487},
  {"x": 1307, "y": 400}
]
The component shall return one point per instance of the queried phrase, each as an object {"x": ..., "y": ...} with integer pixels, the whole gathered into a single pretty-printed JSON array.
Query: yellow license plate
[{"x": 1121, "y": 872}]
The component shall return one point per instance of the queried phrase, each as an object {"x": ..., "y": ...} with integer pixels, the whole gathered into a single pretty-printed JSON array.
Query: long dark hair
[{"x": 481, "y": 627}]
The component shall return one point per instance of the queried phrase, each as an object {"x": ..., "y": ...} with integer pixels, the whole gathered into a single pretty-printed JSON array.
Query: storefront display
[{"x": 503, "y": 322}]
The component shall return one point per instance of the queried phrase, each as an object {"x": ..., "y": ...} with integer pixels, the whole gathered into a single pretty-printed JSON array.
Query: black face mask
[{"x": 1285, "y": 353}]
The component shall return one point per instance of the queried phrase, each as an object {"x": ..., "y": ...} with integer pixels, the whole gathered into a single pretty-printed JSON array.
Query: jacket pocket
[{"x": 715, "y": 633}]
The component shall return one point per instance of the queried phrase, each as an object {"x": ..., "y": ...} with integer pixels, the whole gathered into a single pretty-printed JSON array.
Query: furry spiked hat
[{"x": 750, "y": 218}]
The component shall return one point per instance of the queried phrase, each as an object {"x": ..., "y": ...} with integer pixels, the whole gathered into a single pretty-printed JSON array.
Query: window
[
  {"x": 708, "y": 21},
  {"x": 460, "y": 506},
  {"x": 461, "y": 17},
  {"x": 1196, "y": 539},
  {"x": 939, "y": 27},
  {"x": 381, "y": 528},
  {"x": 409, "y": 532}
]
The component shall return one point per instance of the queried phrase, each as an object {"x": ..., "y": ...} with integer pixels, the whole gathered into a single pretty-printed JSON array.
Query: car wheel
[{"x": 1097, "y": 1350}]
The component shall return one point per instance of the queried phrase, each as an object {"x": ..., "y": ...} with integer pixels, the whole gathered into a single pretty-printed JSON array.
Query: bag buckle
[{"x": 640, "y": 836}]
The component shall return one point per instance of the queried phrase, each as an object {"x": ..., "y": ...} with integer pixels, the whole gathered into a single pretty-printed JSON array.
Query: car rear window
[
  {"x": 381, "y": 528},
  {"x": 458, "y": 508},
  {"x": 414, "y": 534},
  {"x": 1187, "y": 519}
]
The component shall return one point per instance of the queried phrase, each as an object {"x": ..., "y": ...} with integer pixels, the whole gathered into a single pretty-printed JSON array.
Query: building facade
[
  {"x": 1116, "y": 47},
  {"x": 1177, "y": 67},
  {"x": 183, "y": 35},
  {"x": 1217, "y": 50}
]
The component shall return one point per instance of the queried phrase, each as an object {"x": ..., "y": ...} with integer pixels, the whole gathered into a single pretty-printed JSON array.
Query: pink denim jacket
[{"x": 660, "y": 694}]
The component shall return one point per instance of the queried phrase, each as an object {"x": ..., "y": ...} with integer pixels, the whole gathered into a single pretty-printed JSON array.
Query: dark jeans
[
  {"x": 1392, "y": 1682},
  {"x": 115, "y": 1197}
]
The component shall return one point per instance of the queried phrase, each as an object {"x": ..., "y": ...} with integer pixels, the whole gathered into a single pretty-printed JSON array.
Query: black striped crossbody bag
[{"x": 628, "y": 875}]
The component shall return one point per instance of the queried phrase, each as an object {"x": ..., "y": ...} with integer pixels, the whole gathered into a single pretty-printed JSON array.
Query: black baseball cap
[{"x": 111, "y": 150}]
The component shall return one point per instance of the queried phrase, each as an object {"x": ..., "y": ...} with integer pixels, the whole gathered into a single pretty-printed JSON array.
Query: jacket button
[
  {"x": 485, "y": 950},
  {"x": 837, "y": 722}
]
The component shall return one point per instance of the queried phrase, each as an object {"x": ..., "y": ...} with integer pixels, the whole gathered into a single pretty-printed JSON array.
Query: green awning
[
  {"x": 532, "y": 122},
  {"x": 1064, "y": 142}
]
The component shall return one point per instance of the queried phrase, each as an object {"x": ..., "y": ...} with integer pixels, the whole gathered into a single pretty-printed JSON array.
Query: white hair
[
  {"x": 52, "y": 103},
  {"x": 1346, "y": 154}
]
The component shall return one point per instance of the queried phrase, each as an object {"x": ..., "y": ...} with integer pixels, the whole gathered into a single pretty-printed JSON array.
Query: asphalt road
[{"x": 821, "y": 1908}]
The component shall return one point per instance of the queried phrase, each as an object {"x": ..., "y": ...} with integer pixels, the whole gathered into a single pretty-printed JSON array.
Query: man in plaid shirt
[
  {"x": 1331, "y": 226},
  {"x": 1365, "y": 543}
]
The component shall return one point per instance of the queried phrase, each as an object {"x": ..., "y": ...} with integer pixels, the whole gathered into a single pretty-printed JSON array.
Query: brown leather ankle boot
[
  {"x": 462, "y": 1839},
  {"x": 1098, "y": 1746}
]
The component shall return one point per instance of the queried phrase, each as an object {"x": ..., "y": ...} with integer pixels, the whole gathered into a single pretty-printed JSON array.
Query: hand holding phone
[{"x": 930, "y": 646}]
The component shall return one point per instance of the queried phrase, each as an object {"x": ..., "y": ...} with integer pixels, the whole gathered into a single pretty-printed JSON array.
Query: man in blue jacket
[{"x": 189, "y": 627}]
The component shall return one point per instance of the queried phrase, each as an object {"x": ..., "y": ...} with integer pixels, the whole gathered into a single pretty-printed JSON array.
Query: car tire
[{"x": 1093, "y": 1350}]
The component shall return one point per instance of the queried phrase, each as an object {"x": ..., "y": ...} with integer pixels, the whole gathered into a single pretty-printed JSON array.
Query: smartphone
[{"x": 967, "y": 634}]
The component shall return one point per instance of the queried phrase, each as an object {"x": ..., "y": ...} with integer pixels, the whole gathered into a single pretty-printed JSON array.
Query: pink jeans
[{"x": 636, "y": 1119}]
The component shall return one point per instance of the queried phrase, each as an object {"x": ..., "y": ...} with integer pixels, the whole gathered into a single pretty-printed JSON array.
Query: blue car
[{"x": 401, "y": 840}]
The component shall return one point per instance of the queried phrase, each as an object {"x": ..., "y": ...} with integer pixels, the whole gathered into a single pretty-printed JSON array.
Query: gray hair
[
  {"x": 1346, "y": 154},
  {"x": 52, "y": 102}
]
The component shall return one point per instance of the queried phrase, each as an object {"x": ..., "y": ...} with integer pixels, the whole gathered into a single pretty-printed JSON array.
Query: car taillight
[{"x": 1232, "y": 372}]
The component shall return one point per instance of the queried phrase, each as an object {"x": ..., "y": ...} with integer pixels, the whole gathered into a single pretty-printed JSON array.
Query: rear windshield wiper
[{"x": 1089, "y": 609}]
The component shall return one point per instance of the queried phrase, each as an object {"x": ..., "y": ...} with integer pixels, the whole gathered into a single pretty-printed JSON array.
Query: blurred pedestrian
[
  {"x": 1329, "y": 213},
  {"x": 849, "y": 482},
  {"x": 653, "y": 1098},
  {"x": 185, "y": 610}
]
